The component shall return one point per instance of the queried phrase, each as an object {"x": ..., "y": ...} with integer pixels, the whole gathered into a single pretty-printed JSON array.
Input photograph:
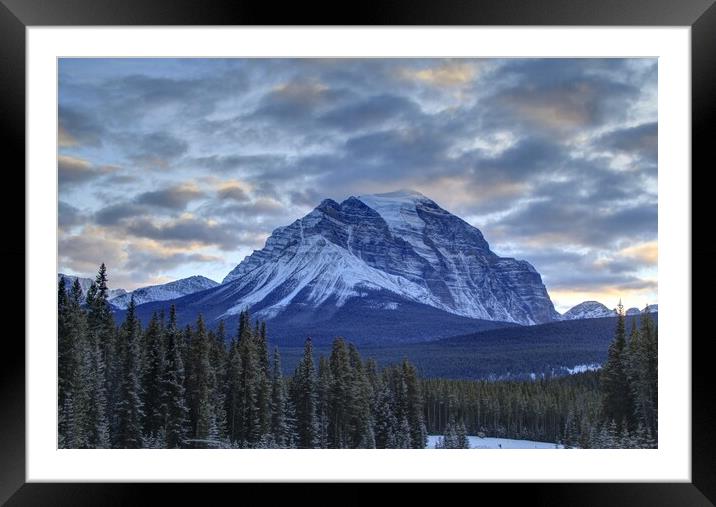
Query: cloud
[
  {"x": 116, "y": 213},
  {"x": 640, "y": 141},
  {"x": 370, "y": 113},
  {"x": 257, "y": 209},
  {"x": 296, "y": 101},
  {"x": 568, "y": 106},
  {"x": 544, "y": 155},
  {"x": 575, "y": 223},
  {"x": 127, "y": 98},
  {"x": 228, "y": 163},
  {"x": 175, "y": 197},
  {"x": 76, "y": 127},
  {"x": 75, "y": 171},
  {"x": 69, "y": 216},
  {"x": 157, "y": 149},
  {"x": 233, "y": 190},
  {"x": 563, "y": 95},
  {"x": 308, "y": 197},
  {"x": 186, "y": 230},
  {"x": 84, "y": 252},
  {"x": 143, "y": 260},
  {"x": 647, "y": 253},
  {"x": 448, "y": 74},
  {"x": 131, "y": 263}
]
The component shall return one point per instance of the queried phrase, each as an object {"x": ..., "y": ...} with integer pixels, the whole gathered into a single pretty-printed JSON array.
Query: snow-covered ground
[{"x": 498, "y": 443}]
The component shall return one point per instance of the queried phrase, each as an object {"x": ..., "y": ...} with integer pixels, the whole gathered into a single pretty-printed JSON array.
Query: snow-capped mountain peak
[
  {"x": 164, "y": 292},
  {"x": 595, "y": 309},
  {"x": 401, "y": 245},
  {"x": 588, "y": 310}
]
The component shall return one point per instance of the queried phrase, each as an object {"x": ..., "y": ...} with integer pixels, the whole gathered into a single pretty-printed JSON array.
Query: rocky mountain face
[{"x": 390, "y": 249}]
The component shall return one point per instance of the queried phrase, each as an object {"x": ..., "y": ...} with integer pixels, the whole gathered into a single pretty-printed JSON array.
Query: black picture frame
[{"x": 16, "y": 15}]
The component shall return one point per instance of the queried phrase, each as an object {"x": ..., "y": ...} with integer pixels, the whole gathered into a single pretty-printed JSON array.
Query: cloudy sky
[{"x": 169, "y": 168}]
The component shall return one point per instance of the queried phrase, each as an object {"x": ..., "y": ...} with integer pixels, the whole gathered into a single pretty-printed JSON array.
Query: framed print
[{"x": 401, "y": 251}]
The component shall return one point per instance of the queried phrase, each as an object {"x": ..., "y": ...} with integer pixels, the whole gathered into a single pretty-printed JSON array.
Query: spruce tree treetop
[{"x": 76, "y": 291}]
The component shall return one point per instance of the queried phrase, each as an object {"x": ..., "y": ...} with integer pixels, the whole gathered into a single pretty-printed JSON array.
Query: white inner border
[{"x": 671, "y": 462}]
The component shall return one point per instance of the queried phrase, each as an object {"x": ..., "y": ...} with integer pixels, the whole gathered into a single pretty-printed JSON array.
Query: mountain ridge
[
  {"x": 164, "y": 292},
  {"x": 400, "y": 242}
]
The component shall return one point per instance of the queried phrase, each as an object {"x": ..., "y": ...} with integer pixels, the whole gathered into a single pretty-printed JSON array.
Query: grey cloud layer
[{"x": 531, "y": 150}]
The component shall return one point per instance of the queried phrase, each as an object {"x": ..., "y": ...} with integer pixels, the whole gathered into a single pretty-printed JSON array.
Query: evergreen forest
[{"x": 158, "y": 385}]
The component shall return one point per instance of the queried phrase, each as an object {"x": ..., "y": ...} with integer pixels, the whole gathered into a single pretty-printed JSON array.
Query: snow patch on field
[
  {"x": 498, "y": 443},
  {"x": 581, "y": 368}
]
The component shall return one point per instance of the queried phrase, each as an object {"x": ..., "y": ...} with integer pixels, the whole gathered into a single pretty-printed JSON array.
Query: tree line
[
  {"x": 162, "y": 386},
  {"x": 165, "y": 387},
  {"x": 629, "y": 384},
  {"x": 613, "y": 407}
]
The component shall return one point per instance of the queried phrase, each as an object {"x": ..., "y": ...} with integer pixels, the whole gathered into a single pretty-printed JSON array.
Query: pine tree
[
  {"x": 64, "y": 348},
  {"x": 449, "y": 439},
  {"x": 323, "y": 402},
  {"x": 399, "y": 391},
  {"x": 102, "y": 374},
  {"x": 263, "y": 399},
  {"x": 617, "y": 402},
  {"x": 203, "y": 381},
  {"x": 129, "y": 406},
  {"x": 233, "y": 393},
  {"x": 461, "y": 441},
  {"x": 361, "y": 421},
  {"x": 217, "y": 360},
  {"x": 304, "y": 397},
  {"x": 282, "y": 429},
  {"x": 78, "y": 422},
  {"x": 340, "y": 397},
  {"x": 249, "y": 386},
  {"x": 613, "y": 433},
  {"x": 386, "y": 423},
  {"x": 64, "y": 363},
  {"x": 571, "y": 431},
  {"x": 175, "y": 413},
  {"x": 402, "y": 436},
  {"x": 649, "y": 372},
  {"x": 418, "y": 432},
  {"x": 104, "y": 369},
  {"x": 292, "y": 434},
  {"x": 153, "y": 372}
]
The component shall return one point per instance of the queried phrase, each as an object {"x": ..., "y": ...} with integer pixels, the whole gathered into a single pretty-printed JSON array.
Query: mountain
[
  {"x": 400, "y": 246},
  {"x": 595, "y": 309},
  {"x": 517, "y": 352},
  {"x": 390, "y": 267},
  {"x": 164, "y": 292},
  {"x": 588, "y": 310},
  {"x": 85, "y": 285}
]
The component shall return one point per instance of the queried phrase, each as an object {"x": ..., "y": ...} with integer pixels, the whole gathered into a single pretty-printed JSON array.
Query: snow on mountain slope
[
  {"x": 595, "y": 309},
  {"x": 164, "y": 292},
  {"x": 588, "y": 310},
  {"x": 400, "y": 243},
  {"x": 85, "y": 285}
]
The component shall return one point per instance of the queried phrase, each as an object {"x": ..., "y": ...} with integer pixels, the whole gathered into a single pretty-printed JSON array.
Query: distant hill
[{"x": 514, "y": 352}]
